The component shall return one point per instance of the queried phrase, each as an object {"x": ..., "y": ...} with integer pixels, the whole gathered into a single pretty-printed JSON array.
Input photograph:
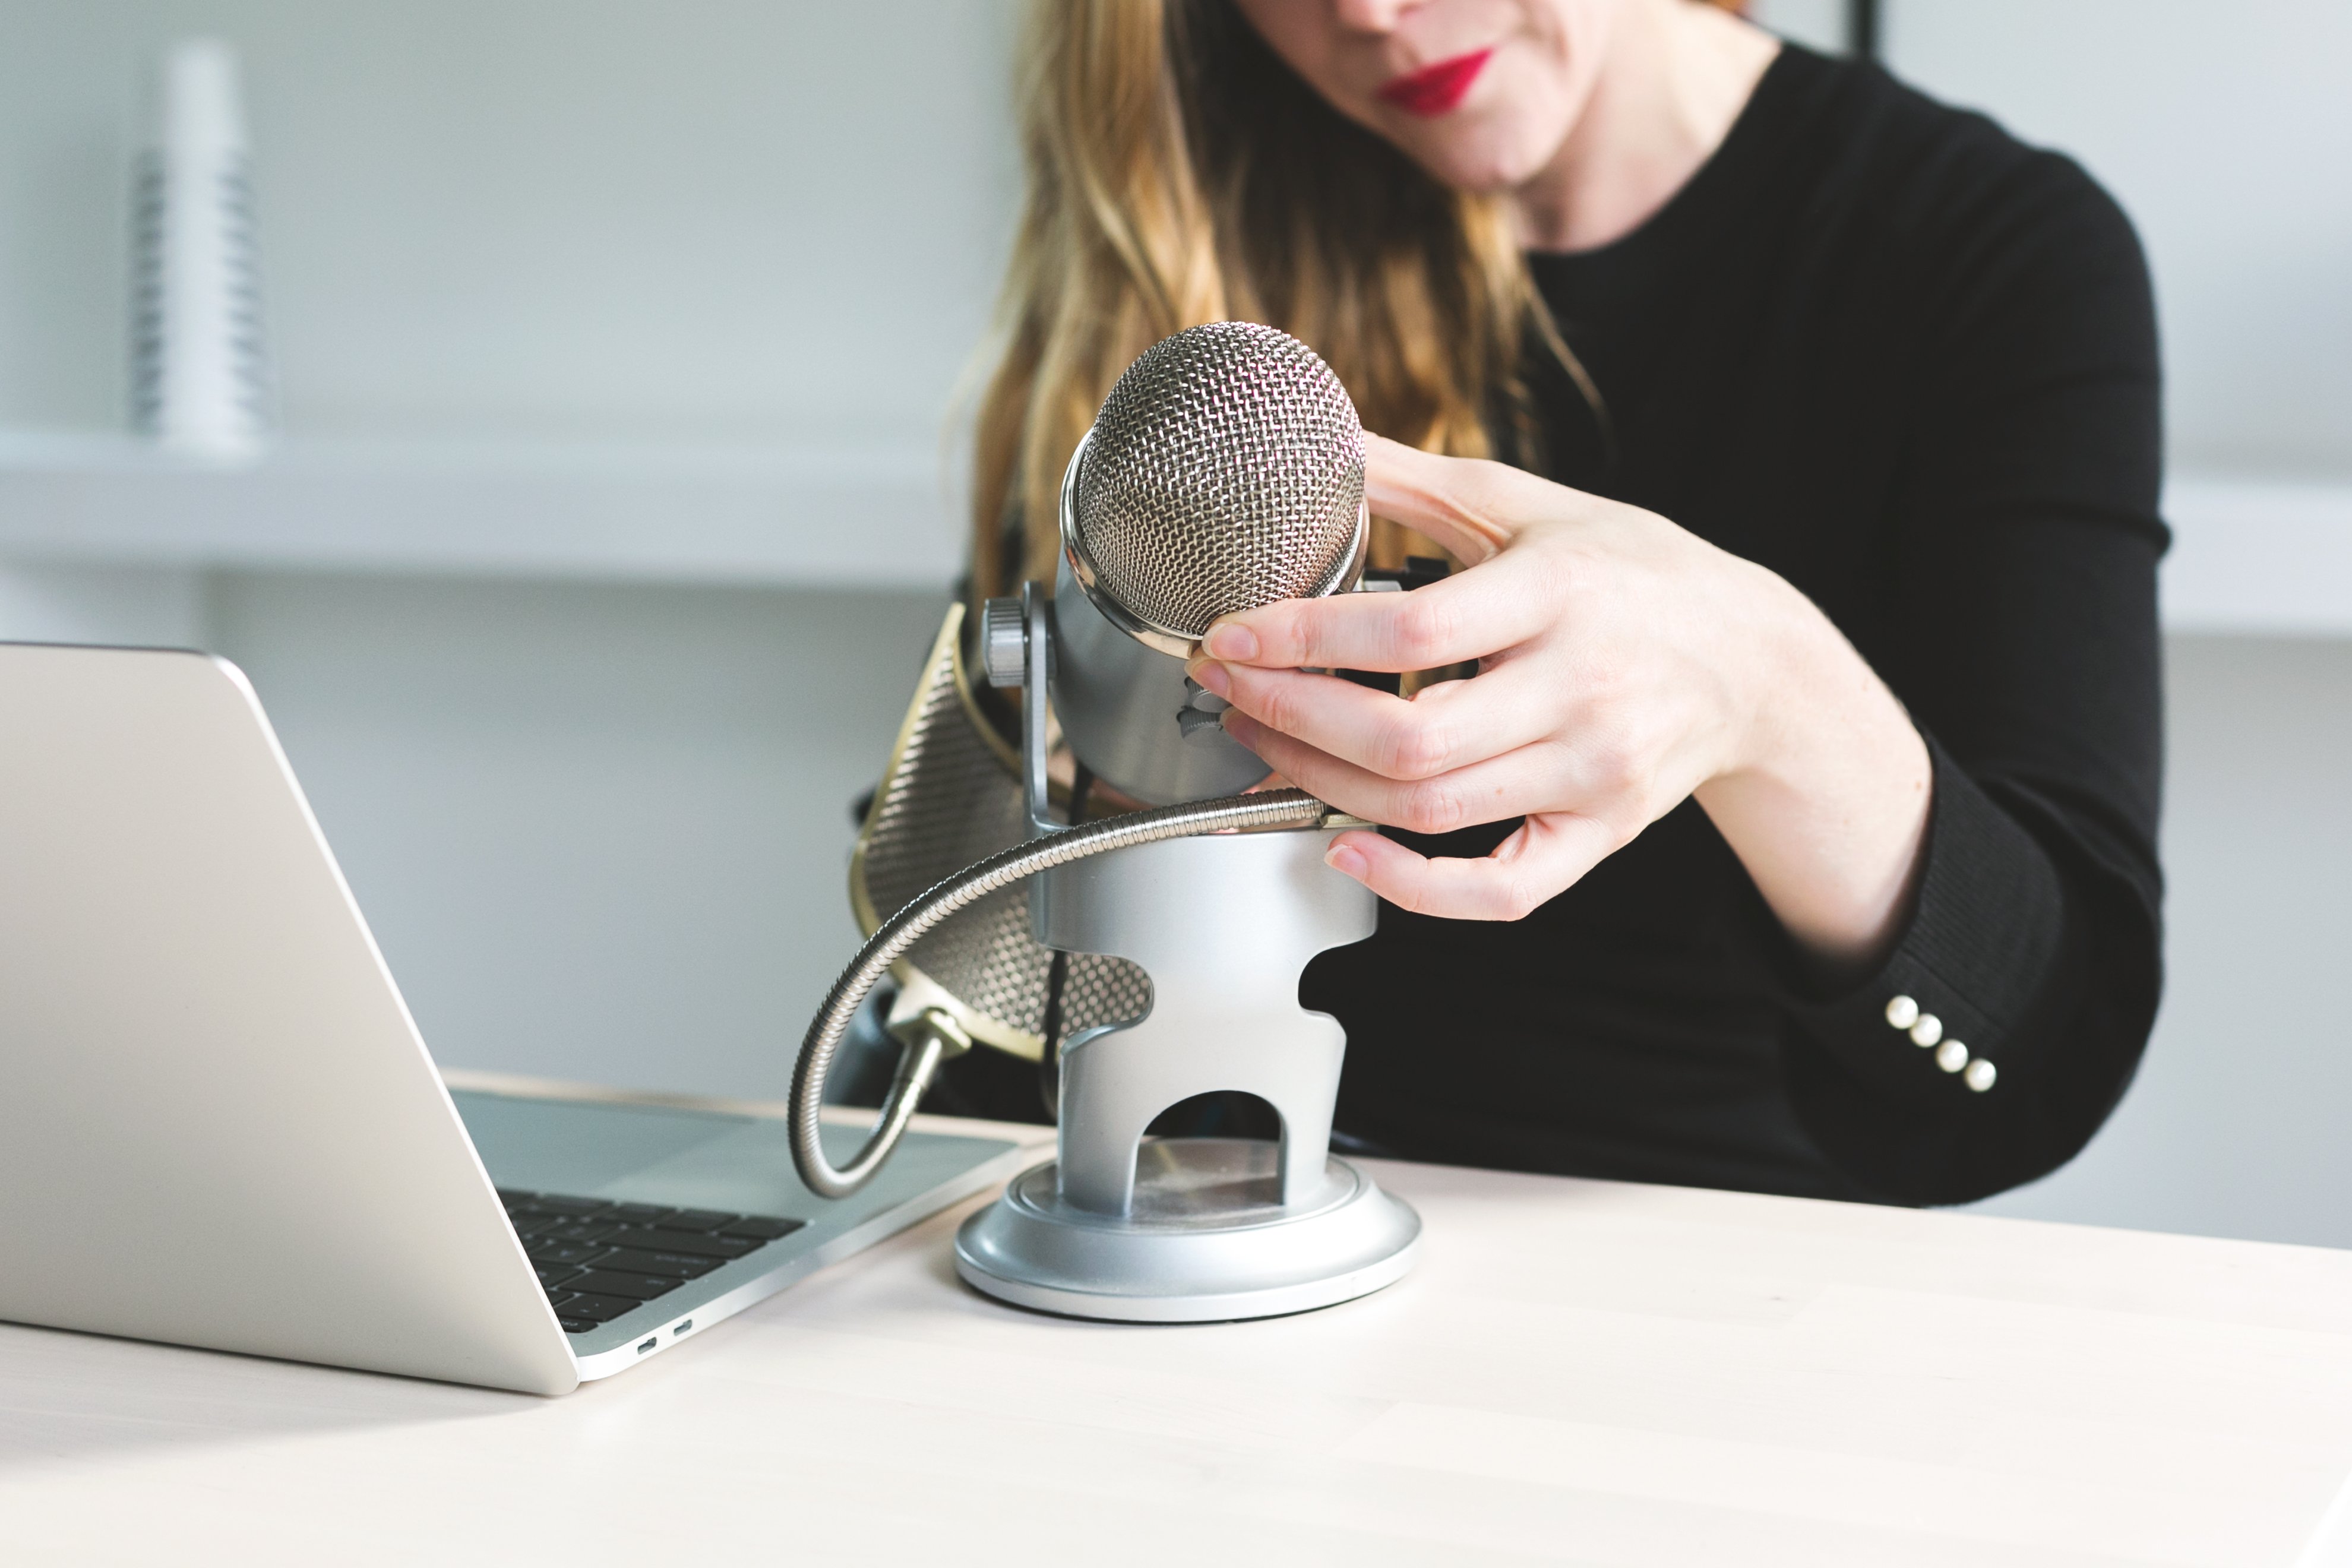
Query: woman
[{"x": 1796, "y": 829}]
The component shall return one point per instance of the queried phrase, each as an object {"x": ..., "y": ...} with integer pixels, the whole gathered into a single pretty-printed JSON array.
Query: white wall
[
  {"x": 601, "y": 832},
  {"x": 2241, "y": 1122},
  {"x": 736, "y": 220},
  {"x": 2227, "y": 132},
  {"x": 144, "y": 608},
  {"x": 1817, "y": 24},
  {"x": 720, "y": 220}
]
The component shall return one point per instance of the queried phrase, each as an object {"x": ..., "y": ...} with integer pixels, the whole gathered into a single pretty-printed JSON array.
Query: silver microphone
[{"x": 1224, "y": 471}]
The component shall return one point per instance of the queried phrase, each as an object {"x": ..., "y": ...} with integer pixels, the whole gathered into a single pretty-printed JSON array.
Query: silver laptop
[{"x": 219, "y": 1127}]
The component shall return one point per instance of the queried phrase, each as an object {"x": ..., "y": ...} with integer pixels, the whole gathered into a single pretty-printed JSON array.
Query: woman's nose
[{"x": 1371, "y": 15}]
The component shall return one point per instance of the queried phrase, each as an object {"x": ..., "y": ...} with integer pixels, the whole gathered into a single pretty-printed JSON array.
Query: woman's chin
[{"x": 1479, "y": 160}]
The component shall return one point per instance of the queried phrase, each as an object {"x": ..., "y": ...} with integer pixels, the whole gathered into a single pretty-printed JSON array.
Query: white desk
[{"x": 1579, "y": 1372}]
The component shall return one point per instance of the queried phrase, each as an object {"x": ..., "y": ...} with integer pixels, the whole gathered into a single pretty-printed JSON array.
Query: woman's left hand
[{"x": 1624, "y": 665}]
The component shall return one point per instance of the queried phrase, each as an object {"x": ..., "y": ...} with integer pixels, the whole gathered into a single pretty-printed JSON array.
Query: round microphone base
[{"x": 1207, "y": 1239}]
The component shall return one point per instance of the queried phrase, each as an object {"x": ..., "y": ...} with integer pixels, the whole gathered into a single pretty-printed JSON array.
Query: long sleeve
[{"x": 2021, "y": 632}]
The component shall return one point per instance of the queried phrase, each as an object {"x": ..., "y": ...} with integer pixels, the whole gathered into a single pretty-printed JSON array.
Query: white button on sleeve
[
  {"x": 1902, "y": 1012},
  {"x": 1951, "y": 1055},
  {"x": 1927, "y": 1030},
  {"x": 1980, "y": 1075}
]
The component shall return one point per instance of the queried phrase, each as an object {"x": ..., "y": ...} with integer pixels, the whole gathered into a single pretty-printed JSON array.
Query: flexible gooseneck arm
[{"x": 1273, "y": 808}]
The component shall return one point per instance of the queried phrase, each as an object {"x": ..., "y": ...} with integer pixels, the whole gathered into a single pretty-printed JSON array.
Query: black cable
[
  {"x": 1861, "y": 28},
  {"x": 1058, "y": 973},
  {"x": 1049, "y": 1059}
]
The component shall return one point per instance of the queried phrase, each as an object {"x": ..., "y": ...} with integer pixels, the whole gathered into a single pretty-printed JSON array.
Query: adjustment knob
[{"x": 1003, "y": 642}]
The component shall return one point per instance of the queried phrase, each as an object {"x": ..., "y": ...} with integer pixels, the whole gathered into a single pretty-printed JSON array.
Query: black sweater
[{"x": 1909, "y": 363}]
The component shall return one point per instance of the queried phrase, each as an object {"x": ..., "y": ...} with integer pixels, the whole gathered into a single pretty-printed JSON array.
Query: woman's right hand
[{"x": 1625, "y": 664}]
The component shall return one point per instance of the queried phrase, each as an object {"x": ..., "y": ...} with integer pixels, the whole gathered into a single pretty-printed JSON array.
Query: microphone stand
[{"x": 1189, "y": 1229}]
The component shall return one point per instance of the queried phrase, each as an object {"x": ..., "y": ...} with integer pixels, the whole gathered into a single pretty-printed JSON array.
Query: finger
[
  {"x": 1469, "y": 506},
  {"x": 1547, "y": 856},
  {"x": 1463, "y": 617},
  {"x": 1493, "y": 791},
  {"x": 1447, "y": 726}
]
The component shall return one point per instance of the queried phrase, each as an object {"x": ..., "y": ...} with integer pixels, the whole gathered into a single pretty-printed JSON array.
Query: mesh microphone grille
[{"x": 1225, "y": 471}]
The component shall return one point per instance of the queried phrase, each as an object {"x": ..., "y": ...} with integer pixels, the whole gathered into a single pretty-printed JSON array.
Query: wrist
[
  {"x": 1824, "y": 797},
  {"x": 1786, "y": 654}
]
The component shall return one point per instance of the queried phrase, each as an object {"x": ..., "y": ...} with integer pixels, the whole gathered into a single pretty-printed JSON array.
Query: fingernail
[
  {"x": 1209, "y": 675},
  {"x": 1228, "y": 639},
  {"x": 1346, "y": 859}
]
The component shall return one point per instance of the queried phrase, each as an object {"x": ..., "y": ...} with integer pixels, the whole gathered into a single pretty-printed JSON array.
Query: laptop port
[
  {"x": 681, "y": 1328},
  {"x": 649, "y": 1344}
]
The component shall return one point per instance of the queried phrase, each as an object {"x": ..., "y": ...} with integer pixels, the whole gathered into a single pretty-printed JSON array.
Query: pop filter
[{"x": 950, "y": 797}]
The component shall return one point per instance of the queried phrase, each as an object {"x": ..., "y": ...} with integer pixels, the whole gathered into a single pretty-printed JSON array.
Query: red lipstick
[{"x": 1436, "y": 90}]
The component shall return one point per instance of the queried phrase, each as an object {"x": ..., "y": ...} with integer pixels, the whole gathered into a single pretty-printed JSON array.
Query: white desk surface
[{"x": 1578, "y": 1372}]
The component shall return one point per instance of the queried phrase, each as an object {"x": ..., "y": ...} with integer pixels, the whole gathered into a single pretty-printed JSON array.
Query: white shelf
[
  {"x": 2252, "y": 557},
  {"x": 2259, "y": 557},
  {"x": 847, "y": 515}
]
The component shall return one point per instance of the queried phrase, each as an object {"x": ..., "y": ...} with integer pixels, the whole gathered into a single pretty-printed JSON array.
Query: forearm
[{"x": 1826, "y": 801}]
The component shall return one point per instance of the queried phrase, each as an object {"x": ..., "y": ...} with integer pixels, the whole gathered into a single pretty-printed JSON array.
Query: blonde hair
[{"x": 1178, "y": 173}]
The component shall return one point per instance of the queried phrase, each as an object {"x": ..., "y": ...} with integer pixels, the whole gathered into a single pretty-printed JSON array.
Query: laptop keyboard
[{"x": 597, "y": 1260}]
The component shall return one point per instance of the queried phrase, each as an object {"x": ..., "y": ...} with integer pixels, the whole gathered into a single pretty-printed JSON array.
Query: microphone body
[{"x": 1132, "y": 715}]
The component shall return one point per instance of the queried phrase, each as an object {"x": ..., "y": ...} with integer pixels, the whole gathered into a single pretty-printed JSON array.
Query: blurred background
[{"x": 617, "y": 349}]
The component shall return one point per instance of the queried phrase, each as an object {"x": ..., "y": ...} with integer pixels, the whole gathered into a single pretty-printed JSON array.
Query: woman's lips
[{"x": 1436, "y": 89}]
